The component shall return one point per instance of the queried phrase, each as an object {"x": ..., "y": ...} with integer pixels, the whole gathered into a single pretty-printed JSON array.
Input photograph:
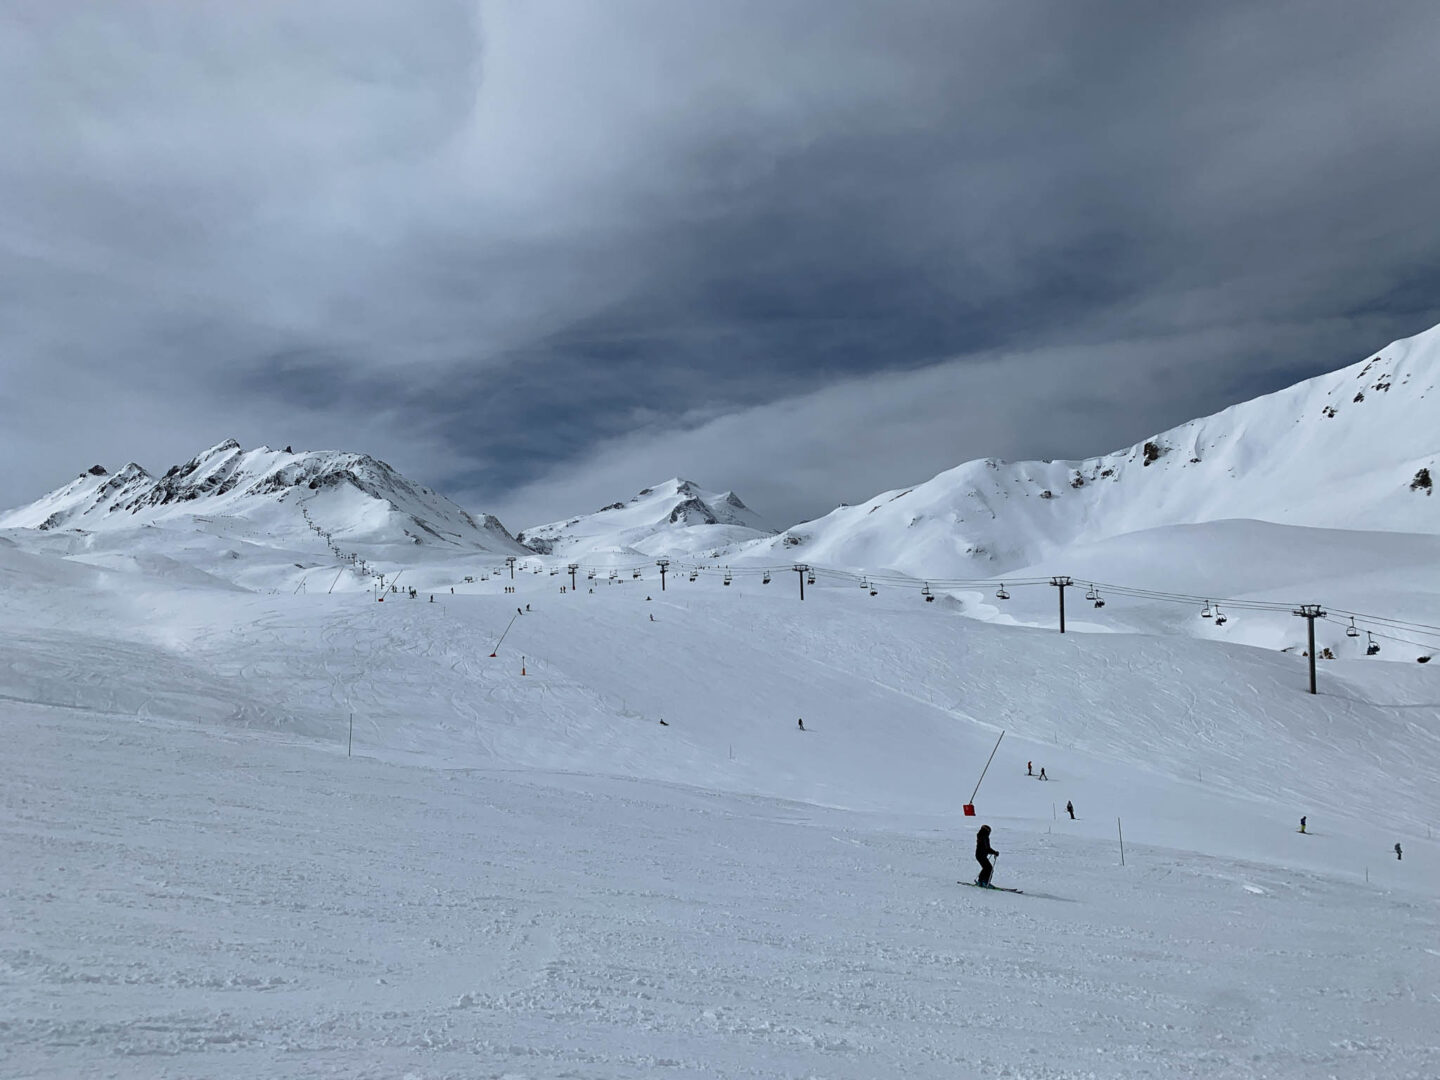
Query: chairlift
[
  {"x": 1001, "y": 594},
  {"x": 1351, "y": 630},
  {"x": 874, "y": 591},
  {"x": 766, "y": 579},
  {"x": 727, "y": 577},
  {"x": 1099, "y": 600},
  {"x": 810, "y": 579},
  {"x": 1205, "y": 611},
  {"x": 590, "y": 575},
  {"x": 864, "y": 583},
  {"x": 1090, "y": 593},
  {"x": 614, "y": 574},
  {"x": 636, "y": 574},
  {"x": 925, "y": 592},
  {"x": 694, "y": 574},
  {"x": 1220, "y": 617},
  {"x": 1374, "y": 646}
]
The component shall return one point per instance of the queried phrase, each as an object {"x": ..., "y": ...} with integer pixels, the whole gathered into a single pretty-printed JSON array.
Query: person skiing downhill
[
  {"x": 1302, "y": 824},
  {"x": 983, "y": 851},
  {"x": 1070, "y": 809},
  {"x": 1398, "y": 853}
]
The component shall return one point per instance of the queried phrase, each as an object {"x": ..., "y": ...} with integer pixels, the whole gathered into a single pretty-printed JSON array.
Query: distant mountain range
[
  {"x": 676, "y": 517},
  {"x": 1354, "y": 449},
  {"x": 280, "y": 494}
]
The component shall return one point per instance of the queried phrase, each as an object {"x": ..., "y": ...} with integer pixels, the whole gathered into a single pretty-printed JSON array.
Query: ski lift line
[
  {"x": 1414, "y": 626},
  {"x": 1390, "y": 637}
]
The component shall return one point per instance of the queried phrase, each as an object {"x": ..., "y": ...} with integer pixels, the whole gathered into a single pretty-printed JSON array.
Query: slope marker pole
[
  {"x": 970, "y": 806},
  {"x": 350, "y": 746},
  {"x": 1121, "y": 831},
  {"x": 502, "y": 636}
]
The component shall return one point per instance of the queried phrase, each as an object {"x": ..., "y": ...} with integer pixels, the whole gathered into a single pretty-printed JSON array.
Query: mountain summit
[
  {"x": 676, "y": 517},
  {"x": 353, "y": 497},
  {"x": 1354, "y": 449}
]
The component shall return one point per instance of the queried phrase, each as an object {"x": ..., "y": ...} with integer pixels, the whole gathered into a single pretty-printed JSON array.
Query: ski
[{"x": 997, "y": 888}]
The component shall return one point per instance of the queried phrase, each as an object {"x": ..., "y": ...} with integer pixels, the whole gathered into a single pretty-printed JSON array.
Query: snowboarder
[
  {"x": 983, "y": 851},
  {"x": 801, "y": 722},
  {"x": 1302, "y": 824},
  {"x": 1398, "y": 852},
  {"x": 1070, "y": 809},
  {"x": 527, "y": 607},
  {"x": 1042, "y": 773},
  {"x": 663, "y": 723}
]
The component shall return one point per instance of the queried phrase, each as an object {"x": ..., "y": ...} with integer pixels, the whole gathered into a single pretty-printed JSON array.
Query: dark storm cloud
[{"x": 539, "y": 255}]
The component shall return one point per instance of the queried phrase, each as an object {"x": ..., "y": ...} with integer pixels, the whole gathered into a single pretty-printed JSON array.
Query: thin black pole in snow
[
  {"x": 335, "y": 582},
  {"x": 985, "y": 770},
  {"x": 507, "y": 630},
  {"x": 349, "y": 746},
  {"x": 1122, "y": 841}
]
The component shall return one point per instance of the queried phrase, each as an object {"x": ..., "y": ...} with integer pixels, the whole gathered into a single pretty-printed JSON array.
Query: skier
[
  {"x": 432, "y": 597},
  {"x": 801, "y": 722},
  {"x": 982, "y": 852},
  {"x": 1042, "y": 773},
  {"x": 663, "y": 723},
  {"x": 652, "y": 618},
  {"x": 1070, "y": 809},
  {"x": 1029, "y": 768},
  {"x": 527, "y": 607},
  {"x": 1302, "y": 824},
  {"x": 1398, "y": 852}
]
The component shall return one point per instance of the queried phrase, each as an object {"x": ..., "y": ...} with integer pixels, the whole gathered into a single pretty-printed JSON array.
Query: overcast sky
[{"x": 539, "y": 255}]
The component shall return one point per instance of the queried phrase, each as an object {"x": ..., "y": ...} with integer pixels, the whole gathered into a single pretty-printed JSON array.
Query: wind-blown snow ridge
[{"x": 1352, "y": 449}]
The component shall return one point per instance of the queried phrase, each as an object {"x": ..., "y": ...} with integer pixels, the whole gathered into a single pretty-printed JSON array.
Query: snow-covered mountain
[
  {"x": 271, "y": 494},
  {"x": 1354, "y": 449},
  {"x": 673, "y": 518}
]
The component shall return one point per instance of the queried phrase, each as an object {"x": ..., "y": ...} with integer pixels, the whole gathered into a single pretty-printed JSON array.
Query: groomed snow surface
[{"x": 527, "y": 875}]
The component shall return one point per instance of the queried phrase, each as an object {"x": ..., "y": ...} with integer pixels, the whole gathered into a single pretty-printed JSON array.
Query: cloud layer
[{"x": 539, "y": 255}]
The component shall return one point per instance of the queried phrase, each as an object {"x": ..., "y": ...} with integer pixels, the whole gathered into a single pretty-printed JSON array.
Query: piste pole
[{"x": 986, "y": 769}]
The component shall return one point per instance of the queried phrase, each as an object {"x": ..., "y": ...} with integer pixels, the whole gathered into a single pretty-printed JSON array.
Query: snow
[
  {"x": 256, "y": 824},
  {"x": 526, "y": 875},
  {"x": 1310, "y": 455}
]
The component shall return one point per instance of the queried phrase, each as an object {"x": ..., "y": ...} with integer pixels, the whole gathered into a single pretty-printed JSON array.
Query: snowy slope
[
  {"x": 269, "y": 496},
  {"x": 1340, "y": 451},
  {"x": 521, "y": 872},
  {"x": 674, "y": 518}
]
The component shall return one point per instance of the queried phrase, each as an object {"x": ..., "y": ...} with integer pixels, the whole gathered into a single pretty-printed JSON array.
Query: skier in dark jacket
[
  {"x": 982, "y": 852},
  {"x": 1070, "y": 809}
]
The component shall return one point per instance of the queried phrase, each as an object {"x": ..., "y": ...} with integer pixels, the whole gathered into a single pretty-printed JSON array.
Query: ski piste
[{"x": 997, "y": 888}]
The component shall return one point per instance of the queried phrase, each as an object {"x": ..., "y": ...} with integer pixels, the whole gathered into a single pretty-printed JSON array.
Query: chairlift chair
[
  {"x": 1001, "y": 594},
  {"x": 1090, "y": 593},
  {"x": 925, "y": 592},
  {"x": 694, "y": 574},
  {"x": 1220, "y": 617},
  {"x": 1099, "y": 600},
  {"x": 636, "y": 574},
  {"x": 1205, "y": 611},
  {"x": 766, "y": 579},
  {"x": 1374, "y": 646},
  {"x": 864, "y": 583},
  {"x": 727, "y": 577},
  {"x": 1351, "y": 630},
  {"x": 810, "y": 579}
]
